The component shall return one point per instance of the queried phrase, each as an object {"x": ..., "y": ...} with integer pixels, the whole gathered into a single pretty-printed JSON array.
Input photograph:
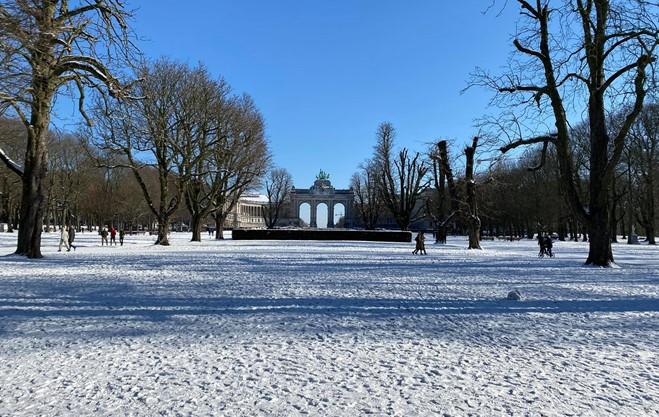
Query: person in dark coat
[
  {"x": 420, "y": 240},
  {"x": 549, "y": 244},
  {"x": 104, "y": 236},
  {"x": 122, "y": 233},
  {"x": 541, "y": 244},
  {"x": 72, "y": 236}
]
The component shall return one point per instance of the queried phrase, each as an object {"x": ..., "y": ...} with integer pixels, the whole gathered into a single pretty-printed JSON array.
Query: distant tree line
[
  {"x": 511, "y": 197},
  {"x": 571, "y": 150},
  {"x": 161, "y": 130}
]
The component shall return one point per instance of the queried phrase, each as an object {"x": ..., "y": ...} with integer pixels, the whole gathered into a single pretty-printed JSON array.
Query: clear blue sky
[{"x": 326, "y": 73}]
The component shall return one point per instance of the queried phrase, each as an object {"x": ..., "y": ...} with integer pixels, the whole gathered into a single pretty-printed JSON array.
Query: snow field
[{"x": 244, "y": 328}]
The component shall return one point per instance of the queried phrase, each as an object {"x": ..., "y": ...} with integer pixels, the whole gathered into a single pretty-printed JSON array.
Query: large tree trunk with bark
[
  {"x": 598, "y": 224},
  {"x": 474, "y": 228},
  {"x": 650, "y": 234},
  {"x": 34, "y": 174},
  {"x": 196, "y": 221},
  {"x": 219, "y": 227},
  {"x": 440, "y": 234},
  {"x": 163, "y": 232},
  {"x": 599, "y": 252},
  {"x": 473, "y": 221}
]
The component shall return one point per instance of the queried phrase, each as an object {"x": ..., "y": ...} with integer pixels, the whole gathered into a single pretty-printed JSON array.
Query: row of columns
[{"x": 330, "y": 211}]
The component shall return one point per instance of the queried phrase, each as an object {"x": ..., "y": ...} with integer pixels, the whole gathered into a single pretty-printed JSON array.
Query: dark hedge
[{"x": 322, "y": 234}]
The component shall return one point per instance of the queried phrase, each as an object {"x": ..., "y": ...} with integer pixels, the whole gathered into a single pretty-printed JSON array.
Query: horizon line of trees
[
  {"x": 513, "y": 197},
  {"x": 206, "y": 146}
]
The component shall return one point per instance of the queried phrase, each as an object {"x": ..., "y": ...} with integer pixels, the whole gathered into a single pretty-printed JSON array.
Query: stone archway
[
  {"x": 322, "y": 215},
  {"x": 339, "y": 211},
  {"x": 304, "y": 212},
  {"x": 322, "y": 192}
]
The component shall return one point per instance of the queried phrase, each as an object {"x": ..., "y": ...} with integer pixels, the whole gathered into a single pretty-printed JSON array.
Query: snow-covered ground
[{"x": 244, "y": 328}]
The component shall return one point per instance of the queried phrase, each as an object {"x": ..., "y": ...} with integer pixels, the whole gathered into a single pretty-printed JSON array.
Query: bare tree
[
  {"x": 278, "y": 185},
  {"x": 154, "y": 126},
  {"x": 403, "y": 178},
  {"x": 644, "y": 147},
  {"x": 365, "y": 185},
  {"x": 242, "y": 164},
  {"x": 586, "y": 54},
  {"x": 436, "y": 203},
  {"x": 232, "y": 164},
  {"x": 202, "y": 115},
  {"x": 45, "y": 46},
  {"x": 464, "y": 204}
]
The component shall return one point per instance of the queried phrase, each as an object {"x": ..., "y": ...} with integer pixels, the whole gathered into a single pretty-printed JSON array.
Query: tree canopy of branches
[
  {"x": 278, "y": 184},
  {"x": 45, "y": 46},
  {"x": 167, "y": 129},
  {"x": 644, "y": 152},
  {"x": 436, "y": 202},
  {"x": 591, "y": 55},
  {"x": 241, "y": 163},
  {"x": 367, "y": 195},
  {"x": 403, "y": 178}
]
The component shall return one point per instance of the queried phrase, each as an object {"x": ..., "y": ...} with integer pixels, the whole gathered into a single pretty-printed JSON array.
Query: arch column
[
  {"x": 330, "y": 214},
  {"x": 314, "y": 206},
  {"x": 347, "y": 215}
]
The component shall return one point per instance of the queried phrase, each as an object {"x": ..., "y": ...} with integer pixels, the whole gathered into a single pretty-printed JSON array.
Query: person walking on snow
[
  {"x": 104, "y": 236},
  {"x": 122, "y": 233},
  {"x": 420, "y": 244},
  {"x": 541, "y": 243},
  {"x": 548, "y": 246},
  {"x": 113, "y": 236},
  {"x": 64, "y": 239},
  {"x": 72, "y": 236}
]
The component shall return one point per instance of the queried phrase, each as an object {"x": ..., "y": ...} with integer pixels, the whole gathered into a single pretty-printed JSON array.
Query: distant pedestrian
[
  {"x": 104, "y": 236},
  {"x": 113, "y": 236},
  {"x": 210, "y": 232},
  {"x": 420, "y": 244},
  {"x": 541, "y": 244},
  {"x": 72, "y": 237},
  {"x": 122, "y": 233},
  {"x": 64, "y": 239},
  {"x": 549, "y": 244}
]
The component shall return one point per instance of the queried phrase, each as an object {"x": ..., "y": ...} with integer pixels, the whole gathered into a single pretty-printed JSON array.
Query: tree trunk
[
  {"x": 195, "y": 223},
  {"x": 650, "y": 227},
  {"x": 649, "y": 233},
  {"x": 473, "y": 220},
  {"x": 219, "y": 226},
  {"x": 219, "y": 231},
  {"x": 599, "y": 232},
  {"x": 474, "y": 234},
  {"x": 440, "y": 234},
  {"x": 163, "y": 233},
  {"x": 34, "y": 175},
  {"x": 600, "y": 240}
]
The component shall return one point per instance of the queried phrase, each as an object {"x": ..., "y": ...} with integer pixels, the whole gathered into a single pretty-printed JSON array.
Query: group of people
[
  {"x": 544, "y": 241},
  {"x": 68, "y": 234},
  {"x": 546, "y": 245},
  {"x": 66, "y": 238},
  {"x": 420, "y": 248},
  {"x": 112, "y": 233}
]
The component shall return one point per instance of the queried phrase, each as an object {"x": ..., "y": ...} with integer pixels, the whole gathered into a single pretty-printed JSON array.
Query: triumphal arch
[{"x": 322, "y": 192}]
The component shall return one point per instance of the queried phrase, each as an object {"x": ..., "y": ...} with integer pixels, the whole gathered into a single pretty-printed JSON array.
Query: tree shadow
[{"x": 116, "y": 308}]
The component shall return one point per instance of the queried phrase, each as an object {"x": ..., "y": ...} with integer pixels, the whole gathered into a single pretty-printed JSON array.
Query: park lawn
[{"x": 243, "y": 328}]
